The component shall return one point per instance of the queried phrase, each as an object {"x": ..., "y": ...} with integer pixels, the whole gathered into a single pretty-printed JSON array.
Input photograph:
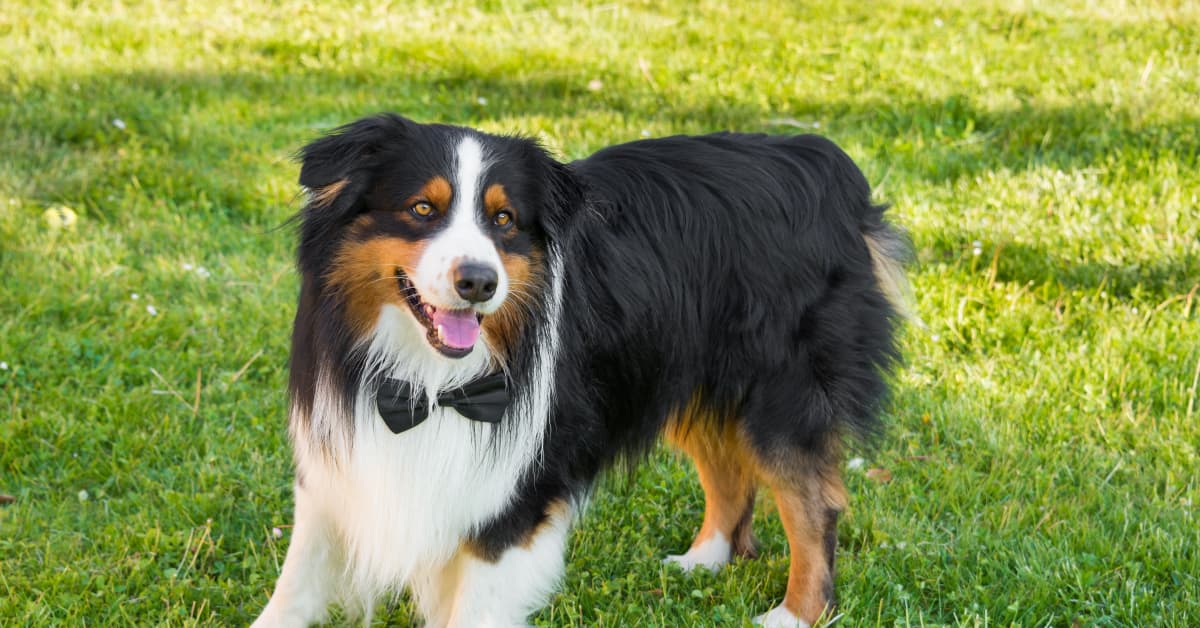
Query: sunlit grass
[{"x": 1044, "y": 448}]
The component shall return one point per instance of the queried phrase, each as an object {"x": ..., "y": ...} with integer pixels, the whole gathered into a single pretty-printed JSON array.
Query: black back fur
[{"x": 729, "y": 267}]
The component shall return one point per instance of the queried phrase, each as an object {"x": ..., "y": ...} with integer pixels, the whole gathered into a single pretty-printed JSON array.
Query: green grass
[{"x": 1044, "y": 156}]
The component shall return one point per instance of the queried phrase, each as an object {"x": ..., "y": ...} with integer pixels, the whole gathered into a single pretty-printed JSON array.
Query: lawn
[{"x": 1043, "y": 461}]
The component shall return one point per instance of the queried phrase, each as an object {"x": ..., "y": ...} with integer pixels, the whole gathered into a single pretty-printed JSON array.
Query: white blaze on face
[{"x": 463, "y": 240}]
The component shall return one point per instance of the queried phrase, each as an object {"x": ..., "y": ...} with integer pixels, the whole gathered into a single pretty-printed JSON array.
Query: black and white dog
[{"x": 482, "y": 330}]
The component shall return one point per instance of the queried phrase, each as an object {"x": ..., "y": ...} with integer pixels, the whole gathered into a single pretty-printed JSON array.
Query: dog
[{"x": 482, "y": 330}]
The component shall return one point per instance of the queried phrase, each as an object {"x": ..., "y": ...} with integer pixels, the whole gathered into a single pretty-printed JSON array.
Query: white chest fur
[
  {"x": 398, "y": 505},
  {"x": 402, "y": 502}
]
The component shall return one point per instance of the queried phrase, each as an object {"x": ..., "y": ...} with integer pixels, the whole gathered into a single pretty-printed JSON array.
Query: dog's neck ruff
[{"x": 404, "y": 406}]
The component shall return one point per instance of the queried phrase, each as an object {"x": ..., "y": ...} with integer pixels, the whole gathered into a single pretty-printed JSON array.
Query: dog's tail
[{"x": 890, "y": 253}]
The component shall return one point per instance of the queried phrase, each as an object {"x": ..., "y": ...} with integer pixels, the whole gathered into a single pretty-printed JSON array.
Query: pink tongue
[{"x": 457, "y": 328}]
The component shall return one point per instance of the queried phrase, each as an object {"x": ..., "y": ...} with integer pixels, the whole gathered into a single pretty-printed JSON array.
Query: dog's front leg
[
  {"x": 504, "y": 589},
  {"x": 306, "y": 583}
]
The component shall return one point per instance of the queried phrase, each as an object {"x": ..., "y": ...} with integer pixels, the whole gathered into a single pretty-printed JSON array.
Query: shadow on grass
[
  {"x": 1146, "y": 277},
  {"x": 206, "y": 133},
  {"x": 929, "y": 139}
]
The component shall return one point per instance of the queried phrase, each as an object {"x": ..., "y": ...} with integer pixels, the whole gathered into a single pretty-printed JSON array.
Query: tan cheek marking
[
  {"x": 503, "y": 327},
  {"x": 323, "y": 196},
  {"x": 363, "y": 274},
  {"x": 362, "y": 225}
]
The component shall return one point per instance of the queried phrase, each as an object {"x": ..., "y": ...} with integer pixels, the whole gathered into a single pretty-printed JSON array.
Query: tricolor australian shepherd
[{"x": 482, "y": 330}]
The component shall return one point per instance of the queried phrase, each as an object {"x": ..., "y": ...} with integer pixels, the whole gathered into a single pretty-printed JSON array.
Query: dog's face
[{"x": 445, "y": 223}]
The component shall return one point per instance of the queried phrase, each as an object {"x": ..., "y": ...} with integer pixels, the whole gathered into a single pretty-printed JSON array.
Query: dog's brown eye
[
  {"x": 502, "y": 219},
  {"x": 423, "y": 209}
]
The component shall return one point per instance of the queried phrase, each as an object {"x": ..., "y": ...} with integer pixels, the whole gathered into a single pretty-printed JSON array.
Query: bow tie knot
[{"x": 403, "y": 407}]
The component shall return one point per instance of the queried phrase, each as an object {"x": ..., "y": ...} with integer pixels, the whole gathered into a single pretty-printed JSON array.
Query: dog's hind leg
[
  {"x": 727, "y": 474},
  {"x": 809, "y": 497},
  {"x": 306, "y": 583}
]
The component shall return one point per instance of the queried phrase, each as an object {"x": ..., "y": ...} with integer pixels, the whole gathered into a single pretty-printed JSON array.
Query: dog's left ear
[{"x": 565, "y": 194}]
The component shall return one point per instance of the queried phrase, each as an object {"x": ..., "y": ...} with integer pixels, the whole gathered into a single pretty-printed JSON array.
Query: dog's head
[{"x": 447, "y": 224}]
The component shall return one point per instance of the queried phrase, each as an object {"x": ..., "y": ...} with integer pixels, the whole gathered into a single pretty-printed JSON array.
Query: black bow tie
[{"x": 484, "y": 399}]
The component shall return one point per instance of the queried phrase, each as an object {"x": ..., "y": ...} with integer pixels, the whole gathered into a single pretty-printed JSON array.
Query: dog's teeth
[
  {"x": 429, "y": 310},
  {"x": 441, "y": 333}
]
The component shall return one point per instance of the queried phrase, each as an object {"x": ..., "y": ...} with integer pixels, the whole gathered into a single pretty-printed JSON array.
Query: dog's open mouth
[{"x": 452, "y": 332}]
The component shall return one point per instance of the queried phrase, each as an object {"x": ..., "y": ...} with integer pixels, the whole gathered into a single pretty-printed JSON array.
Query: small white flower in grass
[
  {"x": 83, "y": 495},
  {"x": 119, "y": 123},
  {"x": 60, "y": 217},
  {"x": 935, "y": 337},
  {"x": 482, "y": 101},
  {"x": 203, "y": 272},
  {"x": 187, "y": 266},
  {"x": 135, "y": 296},
  {"x": 645, "y": 132},
  {"x": 277, "y": 533},
  {"x": 3, "y": 366},
  {"x": 937, "y": 21},
  {"x": 595, "y": 85},
  {"x": 976, "y": 247},
  {"x": 151, "y": 310},
  {"x": 855, "y": 464}
]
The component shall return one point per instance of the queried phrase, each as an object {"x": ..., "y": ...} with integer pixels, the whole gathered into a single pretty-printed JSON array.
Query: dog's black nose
[{"x": 475, "y": 282}]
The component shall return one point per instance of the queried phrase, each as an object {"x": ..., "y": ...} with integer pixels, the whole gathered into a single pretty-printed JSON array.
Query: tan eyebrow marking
[
  {"x": 495, "y": 200},
  {"x": 437, "y": 191}
]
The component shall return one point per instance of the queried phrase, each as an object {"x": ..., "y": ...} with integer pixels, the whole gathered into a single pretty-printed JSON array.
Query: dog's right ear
[{"x": 337, "y": 168}]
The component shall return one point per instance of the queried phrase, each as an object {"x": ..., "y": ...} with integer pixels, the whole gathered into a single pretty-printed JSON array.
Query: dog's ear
[
  {"x": 565, "y": 193},
  {"x": 337, "y": 168}
]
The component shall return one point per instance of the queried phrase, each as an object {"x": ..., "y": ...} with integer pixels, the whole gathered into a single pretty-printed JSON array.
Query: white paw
[
  {"x": 780, "y": 617},
  {"x": 687, "y": 562},
  {"x": 712, "y": 554}
]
